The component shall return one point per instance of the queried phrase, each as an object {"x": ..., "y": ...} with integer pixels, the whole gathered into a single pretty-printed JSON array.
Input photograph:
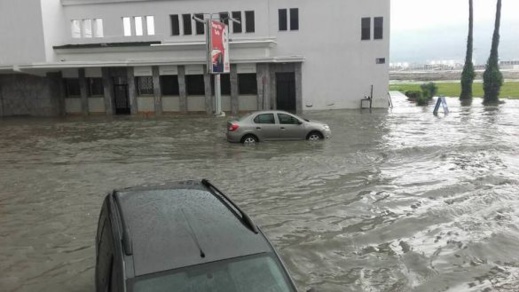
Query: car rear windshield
[{"x": 257, "y": 273}]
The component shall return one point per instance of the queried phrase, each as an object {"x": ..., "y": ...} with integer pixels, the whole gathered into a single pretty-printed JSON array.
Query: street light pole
[{"x": 217, "y": 79}]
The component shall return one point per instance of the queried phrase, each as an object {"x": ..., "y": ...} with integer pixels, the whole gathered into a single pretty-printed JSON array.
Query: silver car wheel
[
  {"x": 249, "y": 140},
  {"x": 314, "y": 137}
]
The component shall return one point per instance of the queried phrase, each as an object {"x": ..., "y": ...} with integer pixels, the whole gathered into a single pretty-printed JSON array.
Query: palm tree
[
  {"x": 492, "y": 78},
  {"x": 468, "y": 74}
]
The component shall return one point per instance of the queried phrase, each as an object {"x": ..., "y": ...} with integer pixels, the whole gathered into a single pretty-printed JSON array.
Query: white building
[{"x": 148, "y": 56}]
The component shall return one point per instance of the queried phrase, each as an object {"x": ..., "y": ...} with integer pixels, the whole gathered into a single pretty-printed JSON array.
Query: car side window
[
  {"x": 287, "y": 119},
  {"x": 265, "y": 119}
]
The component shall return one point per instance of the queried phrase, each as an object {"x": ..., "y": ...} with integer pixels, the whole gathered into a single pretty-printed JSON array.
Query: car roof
[{"x": 183, "y": 224}]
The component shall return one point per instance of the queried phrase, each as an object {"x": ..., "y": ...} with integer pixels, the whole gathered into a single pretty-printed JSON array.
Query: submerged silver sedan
[{"x": 275, "y": 125}]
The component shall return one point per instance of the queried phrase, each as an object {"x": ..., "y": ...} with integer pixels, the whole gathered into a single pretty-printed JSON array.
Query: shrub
[
  {"x": 422, "y": 100},
  {"x": 429, "y": 90},
  {"x": 413, "y": 94}
]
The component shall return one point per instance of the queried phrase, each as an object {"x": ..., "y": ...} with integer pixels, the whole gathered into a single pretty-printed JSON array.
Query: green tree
[
  {"x": 468, "y": 74},
  {"x": 492, "y": 78}
]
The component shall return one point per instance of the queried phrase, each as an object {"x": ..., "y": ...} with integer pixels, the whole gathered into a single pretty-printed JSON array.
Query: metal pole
[{"x": 218, "y": 95}]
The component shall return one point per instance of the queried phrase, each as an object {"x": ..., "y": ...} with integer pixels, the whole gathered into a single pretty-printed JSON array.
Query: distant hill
[{"x": 449, "y": 43}]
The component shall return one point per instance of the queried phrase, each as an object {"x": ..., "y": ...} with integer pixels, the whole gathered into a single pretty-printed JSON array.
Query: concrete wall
[
  {"x": 339, "y": 67},
  {"x": 22, "y": 94},
  {"x": 170, "y": 104},
  {"x": 96, "y": 105},
  {"x": 248, "y": 102},
  {"x": 73, "y": 106},
  {"x": 146, "y": 104},
  {"x": 21, "y": 30},
  {"x": 196, "y": 103},
  {"x": 54, "y": 24}
]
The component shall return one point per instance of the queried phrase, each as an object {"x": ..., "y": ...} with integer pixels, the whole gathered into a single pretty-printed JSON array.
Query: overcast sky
[{"x": 424, "y": 30}]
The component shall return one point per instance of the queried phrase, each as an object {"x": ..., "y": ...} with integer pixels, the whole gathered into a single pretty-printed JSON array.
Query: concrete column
[
  {"x": 83, "y": 89},
  {"x": 299, "y": 87},
  {"x": 182, "y": 89},
  {"x": 108, "y": 89},
  {"x": 132, "y": 91},
  {"x": 57, "y": 93},
  {"x": 272, "y": 87},
  {"x": 157, "y": 93},
  {"x": 263, "y": 82},
  {"x": 208, "y": 92},
  {"x": 235, "y": 101}
]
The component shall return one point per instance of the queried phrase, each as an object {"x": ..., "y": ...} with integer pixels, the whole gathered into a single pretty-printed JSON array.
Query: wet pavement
[{"x": 397, "y": 200}]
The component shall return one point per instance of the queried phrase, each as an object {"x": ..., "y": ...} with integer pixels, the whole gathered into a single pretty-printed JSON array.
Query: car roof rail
[
  {"x": 126, "y": 240},
  {"x": 244, "y": 217}
]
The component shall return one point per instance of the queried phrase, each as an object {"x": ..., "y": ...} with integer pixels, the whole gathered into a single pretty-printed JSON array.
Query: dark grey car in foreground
[
  {"x": 186, "y": 236},
  {"x": 275, "y": 125}
]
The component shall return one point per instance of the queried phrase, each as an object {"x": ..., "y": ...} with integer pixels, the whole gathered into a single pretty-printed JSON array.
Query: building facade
[{"x": 149, "y": 56}]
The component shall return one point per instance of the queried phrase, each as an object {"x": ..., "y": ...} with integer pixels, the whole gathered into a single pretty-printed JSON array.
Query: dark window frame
[
  {"x": 365, "y": 29},
  {"x": 169, "y": 87},
  {"x": 175, "y": 24},
  {"x": 199, "y": 26},
  {"x": 191, "y": 81},
  {"x": 250, "y": 21},
  {"x": 283, "y": 19},
  {"x": 237, "y": 27},
  {"x": 139, "y": 85},
  {"x": 95, "y": 87},
  {"x": 224, "y": 17},
  {"x": 225, "y": 84},
  {"x": 247, "y": 84},
  {"x": 294, "y": 18},
  {"x": 187, "y": 24},
  {"x": 378, "y": 28},
  {"x": 72, "y": 88}
]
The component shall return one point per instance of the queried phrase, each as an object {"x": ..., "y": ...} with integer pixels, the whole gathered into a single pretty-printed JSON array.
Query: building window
[
  {"x": 144, "y": 25},
  {"x": 366, "y": 29},
  {"x": 294, "y": 19},
  {"x": 236, "y": 27},
  {"x": 87, "y": 28},
  {"x": 75, "y": 27},
  {"x": 127, "y": 26},
  {"x": 150, "y": 25},
  {"x": 95, "y": 87},
  {"x": 381, "y": 61},
  {"x": 379, "y": 28},
  {"x": 224, "y": 17},
  {"x": 247, "y": 83},
  {"x": 195, "y": 85},
  {"x": 98, "y": 28},
  {"x": 249, "y": 21},
  {"x": 175, "y": 25},
  {"x": 186, "y": 20},
  {"x": 225, "y": 84},
  {"x": 199, "y": 25},
  {"x": 169, "y": 85},
  {"x": 72, "y": 87},
  {"x": 282, "y": 19},
  {"x": 138, "y": 26},
  {"x": 144, "y": 85}
]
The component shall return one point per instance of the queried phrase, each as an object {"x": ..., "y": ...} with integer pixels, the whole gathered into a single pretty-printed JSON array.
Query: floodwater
[{"x": 397, "y": 200}]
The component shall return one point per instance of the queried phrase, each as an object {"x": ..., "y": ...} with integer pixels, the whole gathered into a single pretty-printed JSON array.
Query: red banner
[{"x": 219, "y": 48}]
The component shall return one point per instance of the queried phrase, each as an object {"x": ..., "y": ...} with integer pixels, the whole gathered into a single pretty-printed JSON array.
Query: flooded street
[{"x": 397, "y": 200}]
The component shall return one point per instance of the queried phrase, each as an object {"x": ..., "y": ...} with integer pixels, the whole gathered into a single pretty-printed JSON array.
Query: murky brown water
[{"x": 395, "y": 201}]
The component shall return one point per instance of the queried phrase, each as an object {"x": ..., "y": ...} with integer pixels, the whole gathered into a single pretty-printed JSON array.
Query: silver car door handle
[
  {"x": 282, "y": 128},
  {"x": 258, "y": 128}
]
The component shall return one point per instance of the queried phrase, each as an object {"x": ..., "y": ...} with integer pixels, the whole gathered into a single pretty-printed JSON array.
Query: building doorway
[
  {"x": 286, "y": 91},
  {"x": 121, "y": 99}
]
